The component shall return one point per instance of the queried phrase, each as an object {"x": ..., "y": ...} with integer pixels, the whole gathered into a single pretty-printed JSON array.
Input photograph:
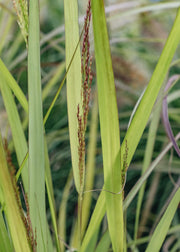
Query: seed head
[{"x": 82, "y": 113}]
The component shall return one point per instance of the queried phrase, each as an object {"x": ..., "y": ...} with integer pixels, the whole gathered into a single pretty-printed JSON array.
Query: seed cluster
[
  {"x": 83, "y": 109},
  {"x": 26, "y": 220},
  {"x": 8, "y": 158},
  {"x": 125, "y": 164},
  {"x": 86, "y": 62},
  {"x": 21, "y": 8},
  {"x": 28, "y": 224}
]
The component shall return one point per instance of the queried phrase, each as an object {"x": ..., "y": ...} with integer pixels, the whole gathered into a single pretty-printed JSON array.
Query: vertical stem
[{"x": 80, "y": 200}]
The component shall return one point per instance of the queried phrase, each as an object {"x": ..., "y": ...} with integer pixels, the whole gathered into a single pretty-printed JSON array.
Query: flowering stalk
[
  {"x": 26, "y": 219},
  {"x": 83, "y": 107},
  {"x": 21, "y": 8},
  {"x": 12, "y": 203}
]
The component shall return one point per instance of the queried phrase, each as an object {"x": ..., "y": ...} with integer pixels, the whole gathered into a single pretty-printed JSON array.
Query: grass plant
[{"x": 70, "y": 180}]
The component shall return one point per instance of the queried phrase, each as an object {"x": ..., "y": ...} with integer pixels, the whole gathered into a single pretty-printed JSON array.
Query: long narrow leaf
[
  {"x": 99, "y": 210},
  {"x": 12, "y": 211},
  {"x": 62, "y": 211},
  {"x": 6, "y": 244},
  {"x": 144, "y": 177},
  {"x": 95, "y": 222},
  {"x": 36, "y": 138},
  {"x": 51, "y": 200},
  {"x": 104, "y": 243},
  {"x": 172, "y": 42},
  {"x": 19, "y": 139},
  {"x": 148, "y": 156},
  {"x": 163, "y": 226},
  {"x": 13, "y": 85},
  {"x": 140, "y": 119},
  {"x": 109, "y": 126},
  {"x": 73, "y": 80}
]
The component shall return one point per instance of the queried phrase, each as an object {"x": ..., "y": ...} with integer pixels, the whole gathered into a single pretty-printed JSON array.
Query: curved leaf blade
[
  {"x": 143, "y": 112},
  {"x": 163, "y": 226}
]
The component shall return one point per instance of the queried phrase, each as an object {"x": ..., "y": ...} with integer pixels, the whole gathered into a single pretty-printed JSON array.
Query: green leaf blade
[
  {"x": 163, "y": 226},
  {"x": 143, "y": 112},
  {"x": 12, "y": 210},
  {"x": 6, "y": 75},
  {"x": 73, "y": 80},
  {"x": 100, "y": 211},
  {"x": 19, "y": 139},
  {"x": 6, "y": 244},
  {"x": 36, "y": 131},
  {"x": 109, "y": 126}
]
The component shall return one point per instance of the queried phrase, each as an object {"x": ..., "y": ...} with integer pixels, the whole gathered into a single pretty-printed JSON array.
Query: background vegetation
[{"x": 137, "y": 32}]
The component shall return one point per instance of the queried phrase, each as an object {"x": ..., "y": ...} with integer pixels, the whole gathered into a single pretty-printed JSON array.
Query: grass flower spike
[
  {"x": 83, "y": 108},
  {"x": 21, "y": 8}
]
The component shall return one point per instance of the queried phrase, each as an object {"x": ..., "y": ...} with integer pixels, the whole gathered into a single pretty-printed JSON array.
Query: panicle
[
  {"x": 21, "y": 9},
  {"x": 83, "y": 108}
]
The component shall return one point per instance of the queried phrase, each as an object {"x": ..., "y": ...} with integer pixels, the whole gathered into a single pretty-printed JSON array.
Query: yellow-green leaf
[
  {"x": 12, "y": 211},
  {"x": 36, "y": 132},
  {"x": 109, "y": 126},
  {"x": 164, "y": 224},
  {"x": 73, "y": 80}
]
